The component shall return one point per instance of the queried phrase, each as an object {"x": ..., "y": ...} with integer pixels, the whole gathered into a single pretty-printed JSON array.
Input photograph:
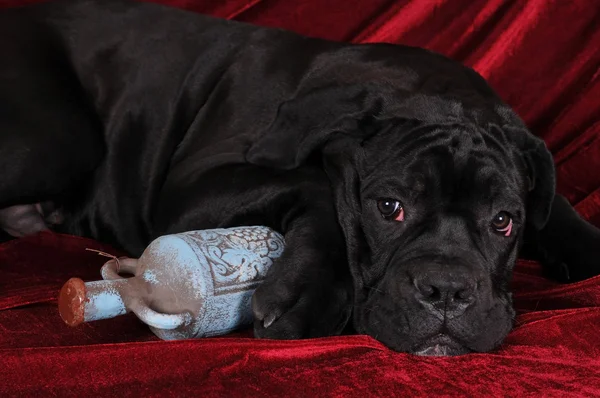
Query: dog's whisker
[
  {"x": 371, "y": 309},
  {"x": 376, "y": 289}
]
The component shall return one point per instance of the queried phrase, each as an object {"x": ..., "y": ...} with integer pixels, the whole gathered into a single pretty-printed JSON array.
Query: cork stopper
[{"x": 71, "y": 302}]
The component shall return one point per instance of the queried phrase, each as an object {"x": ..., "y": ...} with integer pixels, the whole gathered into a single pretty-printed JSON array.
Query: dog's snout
[{"x": 445, "y": 292}]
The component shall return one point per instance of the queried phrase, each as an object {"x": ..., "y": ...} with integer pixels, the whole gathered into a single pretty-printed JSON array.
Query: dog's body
[{"x": 123, "y": 122}]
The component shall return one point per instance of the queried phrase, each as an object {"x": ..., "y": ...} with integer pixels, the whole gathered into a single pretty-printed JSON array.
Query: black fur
[{"x": 136, "y": 120}]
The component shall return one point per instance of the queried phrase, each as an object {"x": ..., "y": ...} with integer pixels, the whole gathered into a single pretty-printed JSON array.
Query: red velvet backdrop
[{"x": 542, "y": 56}]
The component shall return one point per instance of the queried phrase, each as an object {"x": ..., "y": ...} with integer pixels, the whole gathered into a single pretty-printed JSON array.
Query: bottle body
[{"x": 188, "y": 285}]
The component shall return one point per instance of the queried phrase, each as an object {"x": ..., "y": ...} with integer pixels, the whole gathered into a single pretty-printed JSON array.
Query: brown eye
[
  {"x": 502, "y": 222},
  {"x": 391, "y": 209}
]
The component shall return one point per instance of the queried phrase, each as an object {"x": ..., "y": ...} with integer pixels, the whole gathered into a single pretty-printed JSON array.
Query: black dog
[{"x": 402, "y": 183}]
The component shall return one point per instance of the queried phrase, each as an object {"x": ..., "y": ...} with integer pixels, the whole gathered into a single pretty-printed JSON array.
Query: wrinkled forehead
[{"x": 447, "y": 160}]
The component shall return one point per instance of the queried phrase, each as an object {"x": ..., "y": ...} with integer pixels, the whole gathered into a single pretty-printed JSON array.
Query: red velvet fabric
[{"x": 540, "y": 55}]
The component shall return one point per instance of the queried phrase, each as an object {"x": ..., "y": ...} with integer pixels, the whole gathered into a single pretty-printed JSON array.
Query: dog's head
[{"x": 433, "y": 196}]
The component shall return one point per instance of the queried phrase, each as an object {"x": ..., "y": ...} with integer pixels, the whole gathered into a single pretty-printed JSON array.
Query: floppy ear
[
  {"x": 540, "y": 168},
  {"x": 542, "y": 184},
  {"x": 342, "y": 161},
  {"x": 305, "y": 123}
]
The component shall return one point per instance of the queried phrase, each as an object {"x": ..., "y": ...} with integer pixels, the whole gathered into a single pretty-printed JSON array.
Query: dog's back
[{"x": 104, "y": 92}]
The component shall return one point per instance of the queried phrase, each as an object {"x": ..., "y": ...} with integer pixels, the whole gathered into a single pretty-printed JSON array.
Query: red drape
[{"x": 542, "y": 56}]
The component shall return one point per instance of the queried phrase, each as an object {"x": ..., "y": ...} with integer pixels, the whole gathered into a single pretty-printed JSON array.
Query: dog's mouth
[{"x": 440, "y": 345}]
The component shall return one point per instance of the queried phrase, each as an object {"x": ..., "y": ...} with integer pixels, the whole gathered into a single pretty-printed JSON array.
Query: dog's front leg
[
  {"x": 307, "y": 290},
  {"x": 306, "y": 293}
]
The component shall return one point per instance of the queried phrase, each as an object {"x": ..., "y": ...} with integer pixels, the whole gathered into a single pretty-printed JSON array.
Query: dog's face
[
  {"x": 433, "y": 212},
  {"x": 442, "y": 210}
]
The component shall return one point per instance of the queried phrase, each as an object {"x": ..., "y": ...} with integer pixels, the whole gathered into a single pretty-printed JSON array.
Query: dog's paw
[
  {"x": 572, "y": 266},
  {"x": 282, "y": 312},
  {"x": 286, "y": 311},
  {"x": 557, "y": 270}
]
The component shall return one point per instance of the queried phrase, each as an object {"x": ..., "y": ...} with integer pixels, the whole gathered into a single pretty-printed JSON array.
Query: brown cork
[{"x": 71, "y": 302}]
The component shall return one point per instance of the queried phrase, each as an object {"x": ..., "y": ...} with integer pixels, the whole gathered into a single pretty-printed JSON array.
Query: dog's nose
[{"x": 445, "y": 293}]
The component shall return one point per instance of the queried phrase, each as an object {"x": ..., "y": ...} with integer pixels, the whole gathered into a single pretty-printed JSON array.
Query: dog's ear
[
  {"x": 539, "y": 165},
  {"x": 305, "y": 123},
  {"x": 542, "y": 185},
  {"x": 342, "y": 161}
]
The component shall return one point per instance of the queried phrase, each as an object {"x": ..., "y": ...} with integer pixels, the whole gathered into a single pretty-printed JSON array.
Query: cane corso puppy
[{"x": 403, "y": 185}]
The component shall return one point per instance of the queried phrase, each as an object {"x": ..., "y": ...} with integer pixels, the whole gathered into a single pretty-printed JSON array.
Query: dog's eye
[
  {"x": 391, "y": 209},
  {"x": 503, "y": 223}
]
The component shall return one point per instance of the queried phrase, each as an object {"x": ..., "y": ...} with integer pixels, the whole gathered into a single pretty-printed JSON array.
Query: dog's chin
[{"x": 441, "y": 345}]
